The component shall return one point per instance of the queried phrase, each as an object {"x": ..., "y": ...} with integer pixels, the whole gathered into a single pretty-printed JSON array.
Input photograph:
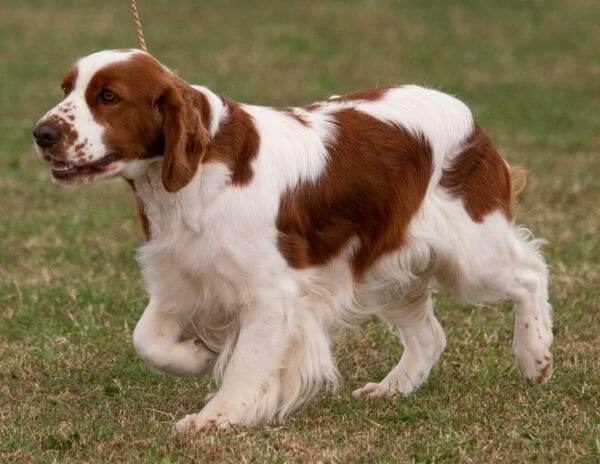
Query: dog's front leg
[
  {"x": 250, "y": 389},
  {"x": 157, "y": 339}
]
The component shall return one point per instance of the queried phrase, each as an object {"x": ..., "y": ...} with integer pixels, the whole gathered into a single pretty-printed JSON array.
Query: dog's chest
[{"x": 196, "y": 255}]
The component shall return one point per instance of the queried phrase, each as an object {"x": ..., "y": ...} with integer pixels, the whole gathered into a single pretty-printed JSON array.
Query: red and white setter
[{"x": 268, "y": 227}]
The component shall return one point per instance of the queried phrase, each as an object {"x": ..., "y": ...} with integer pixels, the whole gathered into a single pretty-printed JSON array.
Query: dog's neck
[
  {"x": 227, "y": 161},
  {"x": 160, "y": 210}
]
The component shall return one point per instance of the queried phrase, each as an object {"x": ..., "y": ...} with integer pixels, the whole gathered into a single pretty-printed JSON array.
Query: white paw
[
  {"x": 535, "y": 368},
  {"x": 193, "y": 423},
  {"x": 532, "y": 349},
  {"x": 391, "y": 385},
  {"x": 374, "y": 390}
]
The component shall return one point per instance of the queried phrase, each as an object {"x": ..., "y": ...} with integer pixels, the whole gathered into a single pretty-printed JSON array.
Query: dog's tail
[{"x": 518, "y": 180}]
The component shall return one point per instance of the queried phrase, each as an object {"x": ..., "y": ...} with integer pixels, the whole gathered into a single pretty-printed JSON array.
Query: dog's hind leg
[
  {"x": 499, "y": 261},
  {"x": 423, "y": 339},
  {"x": 533, "y": 314}
]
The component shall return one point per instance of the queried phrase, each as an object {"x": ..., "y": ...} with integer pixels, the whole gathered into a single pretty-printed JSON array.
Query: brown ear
[{"x": 186, "y": 136}]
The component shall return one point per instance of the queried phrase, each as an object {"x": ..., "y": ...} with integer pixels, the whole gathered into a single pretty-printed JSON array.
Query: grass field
[{"x": 71, "y": 386}]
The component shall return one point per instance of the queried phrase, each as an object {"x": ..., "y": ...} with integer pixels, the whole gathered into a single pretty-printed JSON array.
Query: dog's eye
[
  {"x": 65, "y": 88},
  {"x": 108, "y": 96}
]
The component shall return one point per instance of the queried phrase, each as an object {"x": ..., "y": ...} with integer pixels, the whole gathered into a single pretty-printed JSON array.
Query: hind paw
[{"x": 536, "y": 369}]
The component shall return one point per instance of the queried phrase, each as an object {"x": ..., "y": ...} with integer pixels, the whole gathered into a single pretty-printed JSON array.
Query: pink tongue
[{"x": 59, "y": 164}]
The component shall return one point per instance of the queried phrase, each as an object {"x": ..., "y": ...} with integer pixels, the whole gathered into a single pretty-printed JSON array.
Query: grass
[{"x": 72, "y": 388}]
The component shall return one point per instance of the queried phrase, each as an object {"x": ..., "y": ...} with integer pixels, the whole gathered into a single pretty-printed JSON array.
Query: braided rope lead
[{"x": 138, "y": 26}]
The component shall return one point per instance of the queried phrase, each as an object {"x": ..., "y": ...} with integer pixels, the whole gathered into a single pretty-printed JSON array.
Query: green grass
[{"x": 72, "y": 388}]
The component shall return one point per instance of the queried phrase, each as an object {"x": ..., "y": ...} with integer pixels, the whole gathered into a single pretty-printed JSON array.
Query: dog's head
[{"x": 121, "y": 109}]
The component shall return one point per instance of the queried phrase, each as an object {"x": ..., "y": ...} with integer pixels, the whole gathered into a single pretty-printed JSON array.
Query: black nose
[{"x": 46, "y": 134}]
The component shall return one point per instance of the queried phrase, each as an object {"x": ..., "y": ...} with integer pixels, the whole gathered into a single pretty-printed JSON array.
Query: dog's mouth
[{"x": 62, "y": 170}]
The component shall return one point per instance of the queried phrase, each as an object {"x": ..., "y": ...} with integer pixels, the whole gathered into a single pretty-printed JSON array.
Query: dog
[{"x": 267, "y": 228}]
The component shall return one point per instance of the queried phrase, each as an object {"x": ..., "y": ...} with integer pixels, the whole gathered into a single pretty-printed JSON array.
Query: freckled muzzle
[{"x": 54, "y": 137}]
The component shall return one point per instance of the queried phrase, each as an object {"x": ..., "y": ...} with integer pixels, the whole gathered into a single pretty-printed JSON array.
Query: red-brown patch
[
  {"x": 236, "y": 144},
  {"x": 186, "y": 135},
  {"x": 373, "y": 185},
  {"x": 365, "y": 95},
  {"x": 69, "y": 80},
  {"x": 480, "y": 177},
  {"x": 133, "y": 125}
]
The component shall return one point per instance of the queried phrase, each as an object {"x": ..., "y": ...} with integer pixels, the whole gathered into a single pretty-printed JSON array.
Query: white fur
[{"x": 223, "y": 298}]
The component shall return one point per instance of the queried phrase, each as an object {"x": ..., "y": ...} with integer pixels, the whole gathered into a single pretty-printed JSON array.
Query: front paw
[
  {"x": 373, "y": 390},
  {"x": 193, "y": 423}
]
